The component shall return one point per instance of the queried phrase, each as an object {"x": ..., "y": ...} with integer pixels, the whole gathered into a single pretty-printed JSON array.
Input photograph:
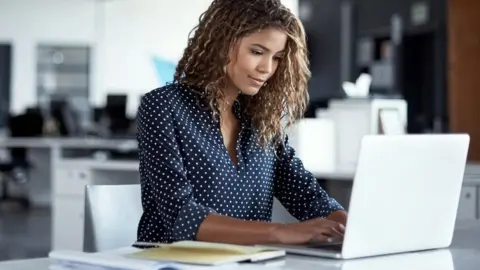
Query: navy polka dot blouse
[{"x": 186, "y": 171}]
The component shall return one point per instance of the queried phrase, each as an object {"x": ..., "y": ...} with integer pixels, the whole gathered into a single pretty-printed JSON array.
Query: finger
[
  {"x": 321, "y": 238},
  {"x": 327, "y": 231},
  {"x": 337, "y": 227},
  {"x": 340, "y": 228},
  {"x": 335, "y": 232},
  {"x": 325, "y": 238},
  {"x": 326, "y": 222}
]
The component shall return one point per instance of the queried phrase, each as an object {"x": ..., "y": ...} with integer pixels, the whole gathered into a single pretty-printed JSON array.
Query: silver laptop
[{"x": 404, "y": 198}]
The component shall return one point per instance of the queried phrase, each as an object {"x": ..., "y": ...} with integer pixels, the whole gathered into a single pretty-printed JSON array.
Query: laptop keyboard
[{"x": 332, "y": 247}]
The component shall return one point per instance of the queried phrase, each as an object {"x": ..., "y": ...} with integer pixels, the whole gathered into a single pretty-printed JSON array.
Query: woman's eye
[
  {"x": 256, "y": 52},
  {"x": 277, "y": 58}
]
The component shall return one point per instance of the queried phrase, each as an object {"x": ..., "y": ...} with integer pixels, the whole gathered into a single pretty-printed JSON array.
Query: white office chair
[
  {"x": 112, "y": 213},
  {"x": 280, "y": 214}
]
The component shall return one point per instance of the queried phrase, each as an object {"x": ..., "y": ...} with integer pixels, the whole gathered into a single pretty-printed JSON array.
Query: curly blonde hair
[{"x": 284, "y": 99}]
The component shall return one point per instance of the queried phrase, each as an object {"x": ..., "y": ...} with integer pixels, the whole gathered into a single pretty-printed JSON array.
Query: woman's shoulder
[
  {"x": 174, "y": 98},
  {"x": 169, "y": 93}
]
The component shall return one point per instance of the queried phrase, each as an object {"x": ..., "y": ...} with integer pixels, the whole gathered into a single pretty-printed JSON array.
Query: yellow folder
[{"x": 205, "y": 253}]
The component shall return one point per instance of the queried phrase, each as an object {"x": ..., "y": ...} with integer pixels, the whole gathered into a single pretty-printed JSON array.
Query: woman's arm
[
  {"x": 223, "y": 229},
  {"x": 298, "y": 190},
  {"x": 216, "y": 228},
  {"x": 163, "y": 178}
]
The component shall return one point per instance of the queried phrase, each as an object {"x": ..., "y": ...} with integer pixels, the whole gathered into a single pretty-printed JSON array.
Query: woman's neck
[{"x": 230, "y": 95}]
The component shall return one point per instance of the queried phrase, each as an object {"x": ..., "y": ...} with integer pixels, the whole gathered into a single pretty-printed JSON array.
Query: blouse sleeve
[
  {"x": 298, "y": 190},
  {"x": 162, "y": 174}
]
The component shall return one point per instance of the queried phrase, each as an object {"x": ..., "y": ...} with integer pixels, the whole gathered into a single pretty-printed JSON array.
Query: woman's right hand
[{"x": 317, "y": 230}]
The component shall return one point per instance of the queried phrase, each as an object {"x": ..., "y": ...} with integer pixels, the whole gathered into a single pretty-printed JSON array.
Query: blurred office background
[{"x": 72, "y": 73}]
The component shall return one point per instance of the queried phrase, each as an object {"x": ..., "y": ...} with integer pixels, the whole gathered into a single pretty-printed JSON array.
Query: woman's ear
[{"x": 233, "y": 52}]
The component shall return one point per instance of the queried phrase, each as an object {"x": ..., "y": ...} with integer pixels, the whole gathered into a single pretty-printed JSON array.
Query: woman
[{"x": 213, "y": 151}]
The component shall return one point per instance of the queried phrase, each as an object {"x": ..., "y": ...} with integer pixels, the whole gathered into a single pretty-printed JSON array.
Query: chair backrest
[
  {"x": 280, "y": 214},
  {"x": 112, "y": 213}
]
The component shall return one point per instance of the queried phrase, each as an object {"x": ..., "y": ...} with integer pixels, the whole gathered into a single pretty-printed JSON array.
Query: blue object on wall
[{"x": 165, "y": 70}]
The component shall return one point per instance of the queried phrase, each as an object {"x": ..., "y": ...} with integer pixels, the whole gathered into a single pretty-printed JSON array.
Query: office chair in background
[
  {"x": 65, "y": 117},
  {"x": 16, "y": 169}
]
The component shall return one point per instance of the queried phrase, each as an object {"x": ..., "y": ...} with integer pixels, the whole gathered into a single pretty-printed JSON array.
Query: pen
[{"x": 147, "y": 244}]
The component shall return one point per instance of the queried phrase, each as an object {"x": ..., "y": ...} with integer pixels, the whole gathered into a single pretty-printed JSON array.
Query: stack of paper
[
  {"x": 69, "y": 260},
  {"x": 179, "y": 255}
]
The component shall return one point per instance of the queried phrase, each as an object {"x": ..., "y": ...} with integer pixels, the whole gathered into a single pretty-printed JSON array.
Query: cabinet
[
  {"x": 468, "y": 204},
  {"x": 71, "y": 181},
  {"x": 68, "y": 207},
  {"x": 67, "y": 219},
  {"x": 356, "y": 117}
]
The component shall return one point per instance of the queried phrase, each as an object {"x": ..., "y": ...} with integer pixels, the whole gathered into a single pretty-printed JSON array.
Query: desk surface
[
  {"x": 464, "y": 254},
  {"x": 101, "y": 165},
  {"x": 77, "y": 143},
  {"x": 472, "y": 174}
]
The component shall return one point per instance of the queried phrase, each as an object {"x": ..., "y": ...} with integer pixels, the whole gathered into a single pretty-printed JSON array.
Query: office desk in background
[
  {"x": 464, "y": 254},
  {"x": 57, "y": 188},
  {"x": 339, "y": 185},
  {"x": 44, "y": 153}
]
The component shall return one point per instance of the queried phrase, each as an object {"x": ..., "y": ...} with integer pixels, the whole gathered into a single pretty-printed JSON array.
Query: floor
[{"x": 24, "y": 234}]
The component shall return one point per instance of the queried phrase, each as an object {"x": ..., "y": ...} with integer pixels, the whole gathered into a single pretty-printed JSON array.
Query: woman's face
[{"x": 255, "y": 60}]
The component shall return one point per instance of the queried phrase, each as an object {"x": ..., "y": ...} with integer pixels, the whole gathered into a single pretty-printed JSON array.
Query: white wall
[
  {"x": 137, "y": 30},
  {"x": 125, "y": 35},
  {"x": 26, "y": 23}
]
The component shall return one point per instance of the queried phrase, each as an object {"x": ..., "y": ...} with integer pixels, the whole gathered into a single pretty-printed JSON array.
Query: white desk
[
  {"x": 464, "y": 254},
  {"x": 339, "y": 185},
  {"x": 45, "y": 152},
  {"x": 335, "y": 175},
  {"x": 472, "y": 174},
  {"x": 59, "y": 184},
  {"x": 449, "y": 259},
  {"x": 43, "y": 142}
]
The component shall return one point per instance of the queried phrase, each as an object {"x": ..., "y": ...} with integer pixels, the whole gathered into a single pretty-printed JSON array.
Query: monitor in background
[
  {"x": 314, "y": 105},
  {"x": 116, "y": 105},
  {"x": 116, "y": 111},
  {"x": 98, "y": 113}
]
